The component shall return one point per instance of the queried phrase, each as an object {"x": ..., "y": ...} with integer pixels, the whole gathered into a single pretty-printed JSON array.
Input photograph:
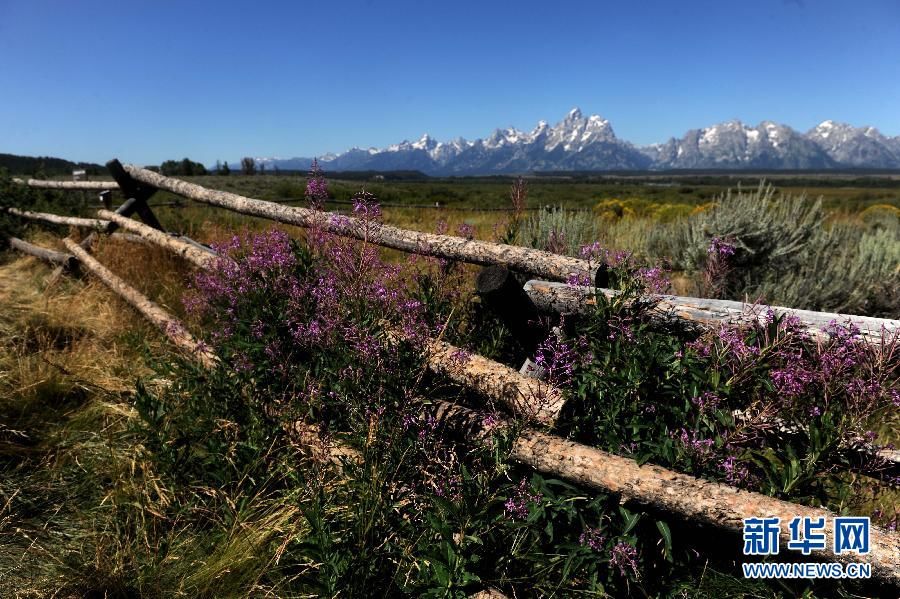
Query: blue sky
[{"x": 149, "y": 80}]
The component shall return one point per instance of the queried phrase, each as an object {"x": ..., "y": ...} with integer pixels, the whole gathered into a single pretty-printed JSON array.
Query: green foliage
[
  {"x": 560, "y": 231},
  {"x": 787, "y": 254},
  {"x": 13, "y": 195},
  {"x": 181, "y": 168},
  {"x": 248, "y": 166},
  {"x": 843, "y": 268},
  {"x": 46, "y": 166},
  {"x": 667, "y": 399},
  {"x": 767, "y": 231}
]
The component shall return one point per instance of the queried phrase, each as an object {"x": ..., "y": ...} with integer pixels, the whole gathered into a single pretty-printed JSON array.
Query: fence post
[
  {"x": 139, "y": 192},
  {"x": 503, "y": 295}
]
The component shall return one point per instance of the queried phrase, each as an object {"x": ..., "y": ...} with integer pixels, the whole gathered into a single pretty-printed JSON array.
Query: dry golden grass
[
  {"x": 83, "y": 511},
  {"x": 69, "y": 357}
]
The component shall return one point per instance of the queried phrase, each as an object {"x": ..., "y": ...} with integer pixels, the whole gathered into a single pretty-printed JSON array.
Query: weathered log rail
[
  {"x": 522, "y": 395},
  {"x": 191, "y": 252},
  {"x": 68, "y": 185},
  {"x": 56, "y": 219},
  {"x": 171, "y": 327},
  {"x": 548, "y": 296},
  {"x": 561, "y": 298},
  {"x": 141, "y": 232},
  {"x": 715, "y": 504},
  {"x": 545, "y": 264},
  {"x": 653, "y": 486},
  {"x": 67, "y": 261}
]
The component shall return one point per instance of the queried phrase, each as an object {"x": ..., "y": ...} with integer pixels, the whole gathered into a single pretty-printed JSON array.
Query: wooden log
[
  {"x": 131, "y": 238},
  {"x": 859, "y": 452},
  {"x": 126, "y": 209},
  {"x": 187, "y": 251},
  {"x": 521, "y": 394},
  {"x": 170, "y": 326},
  {"x": 68, "y": 185},
  {"x": 490, "y": 593},
  {"x": 502, "y": 294},
  {"x": 56, "y": 219},
  {"x": 541, "y": 263},
  {"x": 698, "y": 500},
  {"x": 572, "y": 299},
  {"x": 67, "y": 261},
  {"x": 135, "y": 190}
]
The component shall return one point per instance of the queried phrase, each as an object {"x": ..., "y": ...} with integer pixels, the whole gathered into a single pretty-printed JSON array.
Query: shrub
[
  {"x": 844, "y": 269},
  {"x": 558, "y": 230},
  {"x": 881, "y": 217},
  {"x": 666, "y": 213},
  {"x": 766, "y": 230},
  {"x": 786, "y": 254}
]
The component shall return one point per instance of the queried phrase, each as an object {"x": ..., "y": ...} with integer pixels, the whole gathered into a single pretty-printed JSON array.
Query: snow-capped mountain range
[{"x": 579, "y": 143}]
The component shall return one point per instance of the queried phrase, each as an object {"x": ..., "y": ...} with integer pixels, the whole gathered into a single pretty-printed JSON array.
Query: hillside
[{"x": 46, "y": 165}]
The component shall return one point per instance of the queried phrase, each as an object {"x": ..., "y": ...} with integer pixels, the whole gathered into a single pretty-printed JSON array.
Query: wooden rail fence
[{"x": 715, "y": 504}]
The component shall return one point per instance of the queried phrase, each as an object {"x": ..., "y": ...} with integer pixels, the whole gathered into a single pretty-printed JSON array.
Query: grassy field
[
  {"x": 128, "y": 473},
  {"x": 853, "y": 231}
]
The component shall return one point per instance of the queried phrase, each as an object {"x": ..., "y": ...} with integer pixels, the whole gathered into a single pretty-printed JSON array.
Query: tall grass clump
[{"x": 558, "y": 230}]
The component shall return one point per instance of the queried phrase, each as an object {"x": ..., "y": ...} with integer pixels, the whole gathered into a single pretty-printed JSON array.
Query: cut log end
[{"x": 492, "y": 279}]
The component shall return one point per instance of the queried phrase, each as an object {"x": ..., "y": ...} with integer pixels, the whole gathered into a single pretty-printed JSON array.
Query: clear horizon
[{"x": 216, "y": 81}]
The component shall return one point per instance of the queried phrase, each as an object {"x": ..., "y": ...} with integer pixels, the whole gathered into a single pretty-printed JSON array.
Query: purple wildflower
[
  {"x": 707, "y": 402},
  {"x": 792, "y": 380},
  {"x": 460, "y": 357},
  {"x": 592, "y": 250},
  {"x": 366, "y": 207},
  {"x": 466, "y": 230},
  {"x": 316, "y": 187},
  {"x": 735, "y": 473},
  {"x": 579, "y": 279},
  {"x": 718, "y": 266},
  {"x": 624, "y": 557},
  {"x": 698, "y": 447},
  {"x": 516, "y": 507},
  {"x": 558, "y": 359},
  {"x": 593, "y": 538},
  {"x": 655, "y": 279},
  {"x": 720, "y": 247}
]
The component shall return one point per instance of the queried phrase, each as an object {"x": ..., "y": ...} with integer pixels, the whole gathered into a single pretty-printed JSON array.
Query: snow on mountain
[
  {"x": 735, "y": 145},
  {"x": 590, "y": 144},
  {"x": 856, "y": 146}
]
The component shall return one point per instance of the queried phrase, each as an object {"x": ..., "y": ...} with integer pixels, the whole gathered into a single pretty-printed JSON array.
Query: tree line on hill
[{"x": 46, "y": 166}]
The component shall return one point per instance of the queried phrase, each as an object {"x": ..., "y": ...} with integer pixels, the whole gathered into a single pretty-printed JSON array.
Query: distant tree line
[
  {"x": 46, "y": 166},
  {"x": 182, "y": 168}
]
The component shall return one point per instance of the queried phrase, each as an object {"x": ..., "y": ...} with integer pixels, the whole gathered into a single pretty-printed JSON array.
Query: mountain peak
[
  {"x": 426, "y": 142},
  {"x": 588, "y": 143}
]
